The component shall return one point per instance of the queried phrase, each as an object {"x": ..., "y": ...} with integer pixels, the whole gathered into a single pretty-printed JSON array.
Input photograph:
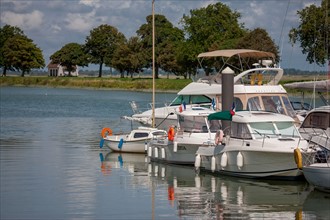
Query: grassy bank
[{"x": 140, "y": 84}]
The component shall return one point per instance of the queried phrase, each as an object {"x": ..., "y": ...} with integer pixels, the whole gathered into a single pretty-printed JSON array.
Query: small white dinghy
[{"x": 134, "y": 142}]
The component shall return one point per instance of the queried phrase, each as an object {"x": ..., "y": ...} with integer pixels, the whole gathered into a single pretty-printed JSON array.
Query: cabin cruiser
[
  {"x": 256, "y": 88},
  {"x": 259, "y": 145}
]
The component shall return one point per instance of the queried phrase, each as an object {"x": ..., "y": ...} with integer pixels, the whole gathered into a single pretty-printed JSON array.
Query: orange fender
[{"x": 171, "y": 134}]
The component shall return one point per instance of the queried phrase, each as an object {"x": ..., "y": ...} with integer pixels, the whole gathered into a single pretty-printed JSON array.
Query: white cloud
[
  {"x": 28, "y": 21},
  {"x": 83, "y": 22},
  {"x": 55, "y": 28},
  {"x": 92, "y": 3}
]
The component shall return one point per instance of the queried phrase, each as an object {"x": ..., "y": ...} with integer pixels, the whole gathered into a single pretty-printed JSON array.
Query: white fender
[
  {"x": 198, "y": 161},
  {"x": 224, "y": 159},
  {"x": 213, "y": 163},
  {"x": 149, "y": 151},
  {"x": 175, "y": 146},
  {"x": 145, "y": 146},
  {"x": 163, "y": 153},
  {"x": 239, "y": 159}
]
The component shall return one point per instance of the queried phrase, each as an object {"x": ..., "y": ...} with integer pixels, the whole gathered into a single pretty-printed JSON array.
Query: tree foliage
[
  {"x": 213, "y": 27},
  {"x": 313, "y": 32},
  {"x": 102, "y": 43},
  {"x": 258, "y": 39},
  {"x": 166, "y": 36},
  {"x": 129, "y": 57},
  {"x": 18, "y": 52},
  {"x": 69, "y": 56}
]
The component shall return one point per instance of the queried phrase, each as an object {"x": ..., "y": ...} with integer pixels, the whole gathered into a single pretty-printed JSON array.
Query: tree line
[{"x": 209, "y": 28}]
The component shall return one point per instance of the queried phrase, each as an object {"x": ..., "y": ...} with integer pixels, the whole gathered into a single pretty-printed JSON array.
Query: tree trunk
[
  {"x": 23, "y": 72},
  {"x": 156, "y": 71},
  {"x": 100, "y": 69},
  {"x": 4, "y": 72}
]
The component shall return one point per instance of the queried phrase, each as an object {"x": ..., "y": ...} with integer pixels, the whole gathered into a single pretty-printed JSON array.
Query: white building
[{"x": 55, "y": 69}]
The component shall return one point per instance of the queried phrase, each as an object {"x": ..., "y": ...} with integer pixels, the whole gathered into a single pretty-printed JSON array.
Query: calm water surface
[{"x": 52, "y": 168}]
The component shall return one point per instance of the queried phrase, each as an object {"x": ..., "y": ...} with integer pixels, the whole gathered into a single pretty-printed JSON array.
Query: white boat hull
[
  {"x": 251, "y": 164},
  {"x": 318, "y": 175},
  {"x": 136, "y": 146},
  {"x": 184, "y": 155},
  {"x": 181, "y": 151}
]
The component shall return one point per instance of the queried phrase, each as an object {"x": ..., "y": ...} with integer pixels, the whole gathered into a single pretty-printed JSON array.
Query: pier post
[{"x": 227, "y": 97}]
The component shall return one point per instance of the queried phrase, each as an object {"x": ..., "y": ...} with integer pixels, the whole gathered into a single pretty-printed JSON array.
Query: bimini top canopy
[{"x": 240, "y": 52}]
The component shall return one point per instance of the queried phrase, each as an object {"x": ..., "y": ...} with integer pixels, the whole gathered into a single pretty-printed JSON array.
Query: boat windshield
[
  {"x": 284, "y": 129},
  {"x": 287, "y": 129},
  {"x": 273, "y": 104},
  {"x": 191, "y": 99},
  {"x": 262, "y": 129},
  {"x": 288, "y": 107}
]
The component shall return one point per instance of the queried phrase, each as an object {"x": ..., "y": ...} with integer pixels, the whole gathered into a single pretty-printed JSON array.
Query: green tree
[
  {"x": 69, "y": 56},
  {"x": 166, "y": 37},
  {"x": 313, "y": 33},
  {"x": 22, "y": 54},
  {"x": 129, "y": 57},
  {"x": 102, "y": 43},
  {"x": 213, "y": 27},
  {"x": 7, "y": 32},
  {"x": 258, "y": 39},
  {"x": 186, "y": 54}
]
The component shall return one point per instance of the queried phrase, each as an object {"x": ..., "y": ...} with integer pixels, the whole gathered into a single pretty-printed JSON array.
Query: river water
[{"x": 53, "y": 168}]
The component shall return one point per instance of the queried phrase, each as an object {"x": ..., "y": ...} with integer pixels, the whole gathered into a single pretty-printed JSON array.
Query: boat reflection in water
[{"x": 206, "y": 196}]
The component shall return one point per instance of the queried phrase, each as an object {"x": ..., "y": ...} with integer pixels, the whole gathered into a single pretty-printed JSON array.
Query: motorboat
[
  {"x": 255, "y": 88},
  {"x": 316, "y": 130},
  {"x": 316, "y": 127},
  {"x": 135, "y": 141},
  {"x": 193, "y": 130},
  {"x": 258, "y": 145}
]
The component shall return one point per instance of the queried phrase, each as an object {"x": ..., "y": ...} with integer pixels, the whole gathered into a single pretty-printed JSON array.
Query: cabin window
[
  {"x": 287, "y": 129},
  {"x": 192, "y": 124},
  {"x": 141, "y": 135},
  {"x": 215, "y": 125},
  {"x": 262, "y": 129},
  {"x": 191, "y": 99},
  {"x": 317, "y": 120},
  {"x": 288, "y": 106},
  {"x": 272, "y": 104},
  {"x": 240, "y": 130},
  {"x": 238, "y": 104},
  {"x": 253, "y": 104}
]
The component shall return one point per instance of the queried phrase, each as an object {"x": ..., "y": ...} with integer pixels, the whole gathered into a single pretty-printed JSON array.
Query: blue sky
[{"x": 53, "y": 23}]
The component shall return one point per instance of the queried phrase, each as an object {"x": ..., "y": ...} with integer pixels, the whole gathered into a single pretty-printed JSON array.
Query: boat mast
[{"x": 153, "y": 63}]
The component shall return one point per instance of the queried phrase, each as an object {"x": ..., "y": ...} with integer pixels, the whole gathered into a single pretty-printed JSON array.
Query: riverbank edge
[{"x": 171, "y": 85}]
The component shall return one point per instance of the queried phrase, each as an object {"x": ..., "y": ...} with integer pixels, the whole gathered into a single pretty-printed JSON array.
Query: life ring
[
  {"x": 171, "y": 134},
  {"x": 298, "y": 158},
  {"x": 218, "y": 137},
  {"x": 105, "y": 132}
]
